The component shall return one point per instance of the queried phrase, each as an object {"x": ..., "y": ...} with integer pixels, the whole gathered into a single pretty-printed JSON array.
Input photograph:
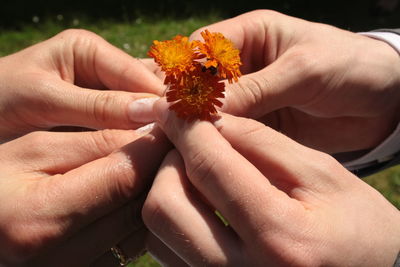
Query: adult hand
[
  {"x": 286, "y": 204},
  {"x": 60, "y": 82},
  {"x": 67, "y": 198},
  {"x": 320, "y": 85}
]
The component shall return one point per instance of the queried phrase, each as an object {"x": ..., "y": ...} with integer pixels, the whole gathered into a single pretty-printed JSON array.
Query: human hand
[
  {"x": 320, "y": 85},
  {"x": 60, "y": 82},
  {"x": 66, "y": 198},
  {"x": 286, "y": 204}
]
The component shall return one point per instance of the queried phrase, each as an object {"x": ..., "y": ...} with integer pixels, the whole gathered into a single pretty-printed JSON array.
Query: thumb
[
  {"x": 286, "y": 82},
  {"x": 98, "y": 109}
]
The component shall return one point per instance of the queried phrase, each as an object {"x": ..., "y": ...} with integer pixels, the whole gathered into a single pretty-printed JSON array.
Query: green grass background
[{"x": 135, "y": 36}]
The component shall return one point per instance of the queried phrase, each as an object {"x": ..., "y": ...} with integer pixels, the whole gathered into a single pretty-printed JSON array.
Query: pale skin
[
  {"x": 308, "y": 78},
  {"x": 67, "y": 198},
  {"x": 75, "y": 78},
  {"x": 286, "y": 203},
  {"x": 312, "y": 81}
]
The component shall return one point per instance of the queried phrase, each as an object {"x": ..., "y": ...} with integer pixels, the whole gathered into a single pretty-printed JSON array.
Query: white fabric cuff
[
  {"x": 393, "y": 39},
  {"x": 391, "y": 145}
]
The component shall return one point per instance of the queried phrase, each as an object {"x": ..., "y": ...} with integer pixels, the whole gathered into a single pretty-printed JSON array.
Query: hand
[
  {"x": 60, "y": 82},
  {"x": 320, "y": 85},
  {"x": 286, "y": 204},
  {"x": 64, "y": 194}
]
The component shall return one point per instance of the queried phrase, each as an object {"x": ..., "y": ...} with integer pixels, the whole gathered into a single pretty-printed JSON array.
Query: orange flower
[
  {"x": 221, "y": 54},
  {"x": 175, "y": 56},
  {"x": 196, "y": 95},
  {"x": 194, "y": 85}
]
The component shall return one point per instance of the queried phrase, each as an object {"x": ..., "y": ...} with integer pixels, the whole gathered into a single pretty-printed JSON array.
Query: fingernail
[
  {"x": 141, "y": 110},
  {"x": 161, "y": 110},
  {"x": 145, "y": 129},
  {"x": 218, "y": 122}
]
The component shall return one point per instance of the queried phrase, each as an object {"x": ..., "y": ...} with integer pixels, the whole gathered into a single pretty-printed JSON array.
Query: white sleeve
[{"x": 391, "y": 145}]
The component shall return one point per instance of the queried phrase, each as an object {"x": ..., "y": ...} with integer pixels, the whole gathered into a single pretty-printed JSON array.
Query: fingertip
[
  {"x": 231, "y": 123},
  {"x": 141, "y": 110},
  {"x": 168, "y": 121},
  {"x": 161, "y": 111},
  {"x": 173, "y": 158},
  {"x": 196, "y": 35},
  {"x": 224, "y": 119}
]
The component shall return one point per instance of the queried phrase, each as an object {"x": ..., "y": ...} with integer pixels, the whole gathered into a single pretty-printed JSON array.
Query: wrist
[{"x": 390, "y": 43}]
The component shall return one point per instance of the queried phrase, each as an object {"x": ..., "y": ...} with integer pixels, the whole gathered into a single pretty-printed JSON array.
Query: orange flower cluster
[{"x": 194, "y": 71}]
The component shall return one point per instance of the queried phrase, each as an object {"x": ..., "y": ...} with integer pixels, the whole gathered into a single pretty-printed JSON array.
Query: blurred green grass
[
  {"x": 388, "y": 184},
  {"x": 135, "y": 37}
]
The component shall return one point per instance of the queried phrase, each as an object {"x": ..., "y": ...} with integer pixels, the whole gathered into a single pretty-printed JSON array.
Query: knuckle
[
  {"x": 326, "y": 162},
  {"x": 99, "y": 104},
  {"x": 77, "y": 33},
  {"x": 202, "y": 165},
  {"x": 262, "y": 13},
  {"x": 38, "y": 138},
  {"x": 152, "y": 212},
  {"x": 125, "y": 184},
  {"x": 326, "y": 169},
  {"x": 156, "y": 211},
  {"x": 106, "y": 141},
  {"x": 303, "y": 60},
  {"x": 250, "y": 91}
]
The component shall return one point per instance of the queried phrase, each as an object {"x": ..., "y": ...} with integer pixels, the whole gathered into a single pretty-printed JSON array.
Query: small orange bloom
[
  {"x": 194, "y": 85},
  {"x": 174, "y": 56},
  {"x": 221, "y": 54},
  {"x": 196, "y": 96}
]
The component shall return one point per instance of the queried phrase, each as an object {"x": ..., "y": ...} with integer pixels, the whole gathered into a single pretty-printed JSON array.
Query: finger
[
  {"x": 99, "y": 64},
  {"x": 96, "y": 109},
  {"x": 288, "y": 81},
  {"x": 286, "y": 163},
  {"x": 116, "y": 178},
  {"x": 276, "y": 74},
  {"x": 97, "y": 238},
  {"x": 260, "y": 35},
  {"x": 154, "y": 67},
  {"x": 230, "y": 182},
  {"x": 162, "y": 253},
  {"x": 317, "y": 131},
  {"x": 84, "y": 194},
  {"x": 59, "y": 152},
  {"x": 234, "y": 30},
  {"x": 185, "y": 224}
]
